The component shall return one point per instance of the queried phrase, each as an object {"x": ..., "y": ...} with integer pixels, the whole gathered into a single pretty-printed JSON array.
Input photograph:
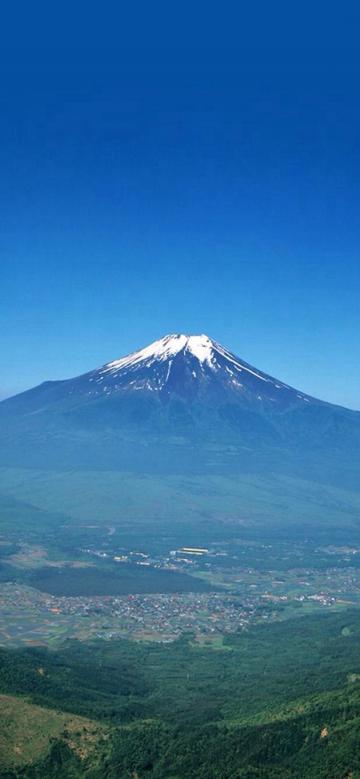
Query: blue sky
[{"x": 181, "y": 190}]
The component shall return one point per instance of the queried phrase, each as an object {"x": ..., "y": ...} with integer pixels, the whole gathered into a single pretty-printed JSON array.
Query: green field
[
  {"x": 27, "y": 730},
  {"x": 205, "y": 506}
]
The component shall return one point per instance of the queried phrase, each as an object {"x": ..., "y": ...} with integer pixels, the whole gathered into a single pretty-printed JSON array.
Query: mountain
[
  {"x": 185, "y": 406},
  {"x": 183, "y": 392},
  {"x": 186, "y": 366}
]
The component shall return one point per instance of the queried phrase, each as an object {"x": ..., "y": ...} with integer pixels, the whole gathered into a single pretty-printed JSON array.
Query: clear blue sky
[{"x": 146, "y": 191}]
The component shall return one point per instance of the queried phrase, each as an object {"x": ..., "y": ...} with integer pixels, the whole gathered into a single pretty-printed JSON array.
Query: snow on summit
[
  {"x": 200, "y": 346},
  {"x": 188, "y": 366},
  {"x": 178, "y": 371}
]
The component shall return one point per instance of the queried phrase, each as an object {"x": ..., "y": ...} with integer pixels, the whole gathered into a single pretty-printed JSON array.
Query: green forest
[{"x": 280, "y": 700}]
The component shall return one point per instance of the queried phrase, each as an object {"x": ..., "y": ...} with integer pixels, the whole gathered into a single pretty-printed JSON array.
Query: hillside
[
  {"x": 279, "y": 701},
  {"x": 27, "y": 732}
]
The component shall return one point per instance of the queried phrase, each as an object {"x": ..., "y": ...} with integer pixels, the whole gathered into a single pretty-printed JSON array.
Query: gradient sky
[{"x": 186, "y": 189}]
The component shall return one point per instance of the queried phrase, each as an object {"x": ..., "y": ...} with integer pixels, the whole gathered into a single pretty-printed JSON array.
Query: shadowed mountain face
[{"x": 182, "y": 404}]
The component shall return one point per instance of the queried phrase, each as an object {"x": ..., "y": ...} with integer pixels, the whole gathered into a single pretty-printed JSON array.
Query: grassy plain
[{"x": 207, "y": 504}]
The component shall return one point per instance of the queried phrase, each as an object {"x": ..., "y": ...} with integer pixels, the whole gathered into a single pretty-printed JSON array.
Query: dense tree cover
[
  {"x": 105, "y": 579},
  {"x": 291, "y": 748},
  {"x": 257, "y": 671},
  {"x": 279, "y": 701}
]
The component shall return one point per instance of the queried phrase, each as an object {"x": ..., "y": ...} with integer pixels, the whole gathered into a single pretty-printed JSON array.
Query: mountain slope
[
  {"x": 190, "y": 367},
  {"x": 27, "y": 731},
  {"x": 282, "y": 700},
  {"x": 184, "y": 403},
  {"x": 205, "y": 436}
]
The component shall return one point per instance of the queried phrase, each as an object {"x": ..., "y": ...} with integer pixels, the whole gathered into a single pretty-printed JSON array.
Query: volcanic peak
[
  {"x": 200, "y": 346},
  {"x": 204, "y": 358}
]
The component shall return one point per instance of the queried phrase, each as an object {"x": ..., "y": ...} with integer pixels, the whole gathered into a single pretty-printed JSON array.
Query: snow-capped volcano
[
  {"x": 188, "y": 365},
  {"x": 193, "y": 368},
  {"x": 182, "y": 411},
  {"x": 181, "y": 404}
]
